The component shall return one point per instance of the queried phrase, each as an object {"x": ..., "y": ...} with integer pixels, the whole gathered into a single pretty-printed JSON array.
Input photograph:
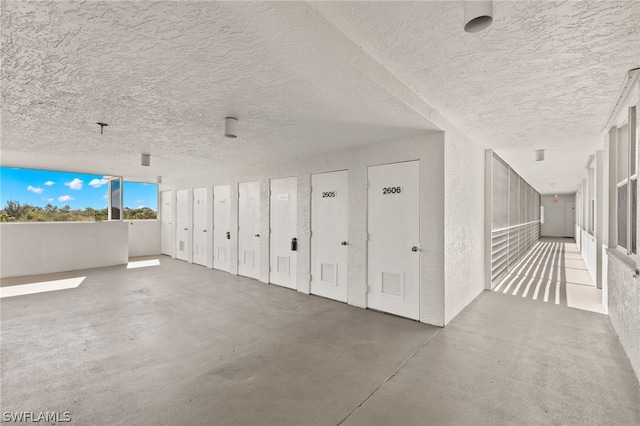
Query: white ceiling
[{"x": 305, "y": 78}]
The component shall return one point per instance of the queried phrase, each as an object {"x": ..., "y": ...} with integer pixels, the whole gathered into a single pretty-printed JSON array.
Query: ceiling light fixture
[
  {"x": 231, "y": 127},
  {"x": 540, "y": 155},
  {"x": 102, "y": 126},
  {"x": 145, "y": 159},
  {"x": 478, "y": 15}
]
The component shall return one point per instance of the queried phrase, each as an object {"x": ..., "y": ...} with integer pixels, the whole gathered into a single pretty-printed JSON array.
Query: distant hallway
[{"x": 554, "y": 272}]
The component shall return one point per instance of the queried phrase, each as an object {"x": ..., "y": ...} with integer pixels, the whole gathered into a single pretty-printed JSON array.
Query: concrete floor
[
  {"x": 554, "y": 271},
  {"x": 179, "y": 344}
]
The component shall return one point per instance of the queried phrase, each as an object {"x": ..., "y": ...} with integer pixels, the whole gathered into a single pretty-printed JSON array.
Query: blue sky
[{"x": 78, "y": 190}]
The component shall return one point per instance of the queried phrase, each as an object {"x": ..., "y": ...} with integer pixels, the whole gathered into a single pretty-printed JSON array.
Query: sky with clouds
[{"x": 77, "y": 190}]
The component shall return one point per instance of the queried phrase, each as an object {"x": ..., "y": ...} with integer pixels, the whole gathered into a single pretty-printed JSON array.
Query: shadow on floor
[{"x": 554, "y": 272}]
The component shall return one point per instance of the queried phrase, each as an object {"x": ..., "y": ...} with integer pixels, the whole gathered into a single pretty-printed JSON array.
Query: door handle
[
  {"x": 344, "y": 243},
  {"x": 294, "y": 244},
  {"x": 228, "y": 235},
  {"x": 414, "y": 248},
  {"x": 186, "y": 229},
  {"x": 204, "y": 230},
  {"x": 257, "y": 235}
]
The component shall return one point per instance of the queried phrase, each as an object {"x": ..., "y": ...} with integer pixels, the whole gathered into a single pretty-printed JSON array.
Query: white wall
[
  {"x": 556, "y": 214},
  {"x": 39, "y": 248},
  {"x": 624, "y": 308},
  {"x": 451, "y": 180},
  {"x": 429, "y": 149},
  {"x": 464, "y": 234},
  {"x": 144, "y": 237}
]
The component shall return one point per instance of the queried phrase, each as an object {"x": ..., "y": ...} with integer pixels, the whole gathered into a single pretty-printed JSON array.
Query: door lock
[
  {"x": 204, "y": 230},
  {"x": 257, "y": 235},
  {"x": 294, "y": 244},
  {"x": 186, "y": 229},
  {"x": 344, "y": 243},
  {"x": 414, "y": 248}
]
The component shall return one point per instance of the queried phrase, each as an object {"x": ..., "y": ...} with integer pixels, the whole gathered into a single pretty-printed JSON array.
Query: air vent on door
[
  {"x": 393, "y": 284},
  {"x": 248, "y": 258},
  {"x": 283, "y": 265},
  {"x": 222, "y": 254},
  {"x": 328, "y": 273}
]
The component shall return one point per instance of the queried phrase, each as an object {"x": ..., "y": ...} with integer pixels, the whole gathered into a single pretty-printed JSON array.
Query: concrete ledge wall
[
  {"x": 40, "y": 248},
  {"x": 144, "y": 237},
  {"x": 624, "y": 308}
]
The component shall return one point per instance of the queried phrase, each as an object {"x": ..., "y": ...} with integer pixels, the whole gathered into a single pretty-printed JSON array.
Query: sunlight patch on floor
[
  {"x": 40, "y": 287},
  {"x": 143, "y": 263}
]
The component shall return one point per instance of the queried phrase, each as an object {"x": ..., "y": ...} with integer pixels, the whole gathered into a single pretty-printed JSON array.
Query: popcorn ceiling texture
[
  {"x": 165, "y": 74},
  {"x": 543, "y": 76}
]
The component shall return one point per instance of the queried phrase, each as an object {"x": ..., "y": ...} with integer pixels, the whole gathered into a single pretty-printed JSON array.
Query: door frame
[
  {"x": 348, "y": 222},
  {"x": 420, "y": 249}
]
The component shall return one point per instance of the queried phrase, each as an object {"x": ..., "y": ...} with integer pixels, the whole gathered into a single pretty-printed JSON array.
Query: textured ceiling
[
  {"x": 543, "y": 76},
  {"x": 306, "y": 78},
  {"x": 164, "y": 76}
]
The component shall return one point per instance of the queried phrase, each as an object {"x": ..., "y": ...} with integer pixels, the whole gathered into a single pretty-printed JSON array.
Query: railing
[{"x": 509, "y": 245}]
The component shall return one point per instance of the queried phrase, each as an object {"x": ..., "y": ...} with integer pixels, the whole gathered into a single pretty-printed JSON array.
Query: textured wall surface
[
  {"x": 428, "y": 149},
  {"x": 41, "y": 248},
  {"x": 464, "y": 232},
  {"x": 624, "y": 308},
  {"x": 543, "y": 76},
  {"x": 144, "y": 237}
]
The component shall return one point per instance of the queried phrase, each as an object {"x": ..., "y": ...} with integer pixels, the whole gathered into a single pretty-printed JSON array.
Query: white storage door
[
  {"x": 249, "y": 229},
  {"x": 329, "y": 210},
  {"x": 394, "y": 239},
  {"x": 167, "y": 228},
  {"x": 222, "y": 227},
  {"x": 200, "y": 231},
  {"x": 284, "y": 228},
  {"x": 182, "y": 224}
]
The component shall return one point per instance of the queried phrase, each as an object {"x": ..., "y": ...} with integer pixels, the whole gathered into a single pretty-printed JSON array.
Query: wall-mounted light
[
  {"x": 478, "y": 15},
  {"x": 145, "y": 159},
  {"x": 231, "y": 127}
]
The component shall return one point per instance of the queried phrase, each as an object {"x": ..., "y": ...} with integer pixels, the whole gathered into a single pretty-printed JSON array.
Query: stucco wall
[
  {"x": 40, "y": 248},
  {"x": 429, "y": 149},
  {"x": 144, "y": 237},
  {"x": 464, "y": 222},
  {"x": 624, "y": 308}
]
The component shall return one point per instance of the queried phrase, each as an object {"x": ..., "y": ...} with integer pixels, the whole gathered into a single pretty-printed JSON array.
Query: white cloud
[
  {"x": 49, "y": 183},
  {"x": 97, "y": 183},
  {"x": 105, "y": 197},
  {"x": 34, "y": 189},
  {"x": 50, "y": 200},
  {"x": 74, "y": 184},
  {"x": 64, "y": 198},
  {"x": 142, "y": 207}
]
